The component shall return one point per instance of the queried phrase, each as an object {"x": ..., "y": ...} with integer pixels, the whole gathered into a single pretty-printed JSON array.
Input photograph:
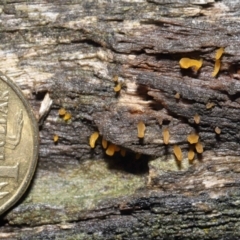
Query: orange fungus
[
  {"x": 193, "y": 138},
  {"x": 217, "y": 130},
  {"x": 55, "y": 138},
  {"x": 67, "y": 116},
  {"x": 219, "y": 53},
  {"x": 199, "y": 147},
  {"x": 104, "y": 143},
  {"x": 210, "y": 105},
  {"x": 188, "y": 62},
  {"x": 166, "y": 136},
  {"x": 177, "y": 95},
  {"x": 177, "y": 152},
  {"x": 191, "y": 155},
  {"x": 115, "y": 78},
  {"x": 61, "y": 111},
  {"x": 216, "y": 68},
  {"x": 196, "y": 118},
  {"x": 93, "y": 139},
  {"x": 110, "y": 150},
  {"x": 118, "y": 87},
  {"x": 141, "y": 129}
]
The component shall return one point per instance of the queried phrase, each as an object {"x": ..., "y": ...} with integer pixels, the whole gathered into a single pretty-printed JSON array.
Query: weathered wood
[{"x": 71, "y": 51}]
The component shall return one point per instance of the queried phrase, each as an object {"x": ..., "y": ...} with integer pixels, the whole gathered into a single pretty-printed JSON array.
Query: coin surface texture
[{"x": 18, "y": 143}]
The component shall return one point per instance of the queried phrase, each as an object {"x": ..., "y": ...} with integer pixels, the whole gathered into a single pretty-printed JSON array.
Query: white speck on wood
[
  {"x": 210, "y": 182},
  {"x": 131, "y": 99},
  {"x": 45, "y": 105}
]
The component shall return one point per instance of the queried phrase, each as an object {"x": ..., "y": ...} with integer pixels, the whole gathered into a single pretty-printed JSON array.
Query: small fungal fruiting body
[
  {"x": 61, "y": 112},
  {"x": 216, "y": 68},
  {"x": 177, "y": 96},
  {"x": 196, "y": 118},
  {"x": 67, "y": 116},
  {"x": 115, "y": 78},
  {"x": 199, "y": 147},
  {"x": 110, "y": 150},
  {"x": 104, "y": 143},
  {"x": 210, "y": 105},
  {"x": 118, "y": 87},
  {"x": 188, "y": 62},
  {"x": 191, "y": 155},
  {"x": 55, "y": 138},
  {"x": 219, "y": 53},
  {"x": 93, "y": 138},
  {"x": 64, "y": 114},
  {"x": 193, "y": 138},
  {"x": 141, "y": 129},
  {"x": 217, "y": 64},
  {"x": 166, "y": 136},
  {"x": 119, "y": 83},
  {"x": 177, "y": 152},
  {"x": 217, "y": 130}
]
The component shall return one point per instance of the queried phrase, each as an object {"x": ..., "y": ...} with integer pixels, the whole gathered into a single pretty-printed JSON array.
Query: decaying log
[{"x": 66, "y": 54}]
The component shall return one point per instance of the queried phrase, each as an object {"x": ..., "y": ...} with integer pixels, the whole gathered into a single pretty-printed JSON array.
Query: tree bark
[{"x": 67, "y": 54}]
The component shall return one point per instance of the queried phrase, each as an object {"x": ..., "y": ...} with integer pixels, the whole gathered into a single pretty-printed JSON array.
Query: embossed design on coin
[{"x": 18, "y": 143}]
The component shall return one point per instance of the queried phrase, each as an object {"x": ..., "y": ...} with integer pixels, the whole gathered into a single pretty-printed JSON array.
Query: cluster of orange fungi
[
  {"x": 192, "y": 138},
  {"x": 109, "y": 147},
  {"x": 197, "y": 64}
]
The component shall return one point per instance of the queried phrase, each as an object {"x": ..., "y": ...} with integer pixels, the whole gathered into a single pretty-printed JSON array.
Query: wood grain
[{"x": 71, "y": 51}]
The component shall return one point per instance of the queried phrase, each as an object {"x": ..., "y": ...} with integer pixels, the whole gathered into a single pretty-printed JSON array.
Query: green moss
[
  {"x": 169, "y": 165},
  {"x": 62, "y": 195}
]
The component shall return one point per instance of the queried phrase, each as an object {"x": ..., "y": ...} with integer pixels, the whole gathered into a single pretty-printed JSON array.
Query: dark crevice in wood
[
  {"x": 39, "y": 96},
  {"x": 86, "y": 41},
  {"x": 129, "y": 163}
]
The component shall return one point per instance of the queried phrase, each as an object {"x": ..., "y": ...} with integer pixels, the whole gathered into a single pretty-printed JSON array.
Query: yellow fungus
[
  {"x": 104, "y": 143},
  {"x": 217, "y": 130},
  {"x": 118, "y": 87},
  {"x": 61, "y": 111},
  {"x": 141, "y": 129},
  {"x": 166, "y": 136},
  {"x": 115, "y": 78},
  {"x": 138, "y": 155},
  {"x": 188, "y": 62},
  {"x": 199, "y": 147},
  {"x": 219, "y": 53},
  {"x": 196, "y": 118},
  {"x": 193, "y": 138},
  {"x": 177, "y": 95},
  {"x": 110, "y": 150},
  {"x": 67, "y": 116},
  {"x": 216, "y": 68},
  {"x": 210, "y": 105},
  {"x": 93, "y": 138},
  {"x": 55, "y": 138},
  {"x": 123, "y": 152},
  {"x": 177, "y": 152},
  {"x": 191, "y": 155}
]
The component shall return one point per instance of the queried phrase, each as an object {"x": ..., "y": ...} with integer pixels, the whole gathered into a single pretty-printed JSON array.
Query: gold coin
[{"x": 18, "y": 143}]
